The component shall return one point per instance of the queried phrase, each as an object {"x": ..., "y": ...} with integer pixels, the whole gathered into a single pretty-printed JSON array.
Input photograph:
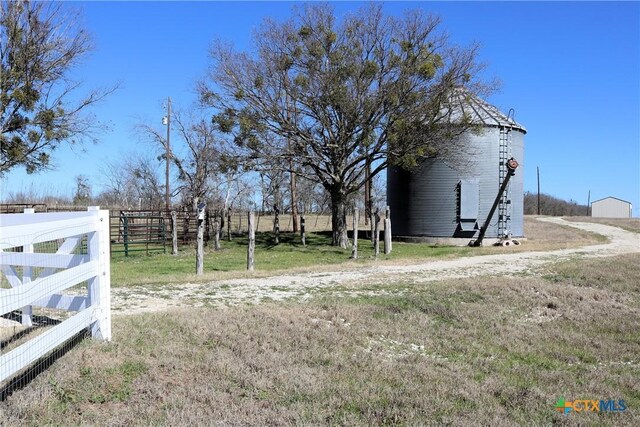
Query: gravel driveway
[{"x": 126, "y": 301}]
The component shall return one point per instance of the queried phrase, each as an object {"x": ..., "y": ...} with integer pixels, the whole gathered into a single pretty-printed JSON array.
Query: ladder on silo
[{"x": 504, "y": 206}]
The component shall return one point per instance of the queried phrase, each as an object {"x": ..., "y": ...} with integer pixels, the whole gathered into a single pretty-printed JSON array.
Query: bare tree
[
  {"x": 201, "y": 160},
  {"x": 132, "y": 182},
  {"x": 144, "y": 178},
  {"x": 273, "y": 188},
  {"x": 40, "y": 43},
  {"x": 201, "y": 157},
  {"x": 82, "y": 195},
  {"x": 336, "y": 95},
  {"x": 118, "y": 186}
]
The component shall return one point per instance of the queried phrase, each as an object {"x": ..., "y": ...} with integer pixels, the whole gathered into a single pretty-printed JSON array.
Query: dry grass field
[
  {"x": 548, "y": 236},
  {"x": 463, "y": 352},
  {"x": 483, "y": 350},
  {"x": 629, "y": 224}
]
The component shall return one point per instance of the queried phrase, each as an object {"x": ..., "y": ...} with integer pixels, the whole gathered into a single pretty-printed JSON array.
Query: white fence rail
[{"x": 45, "y": 265}]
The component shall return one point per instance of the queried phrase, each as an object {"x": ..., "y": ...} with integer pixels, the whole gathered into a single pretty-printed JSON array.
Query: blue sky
[{"x": 570, "y": 70}]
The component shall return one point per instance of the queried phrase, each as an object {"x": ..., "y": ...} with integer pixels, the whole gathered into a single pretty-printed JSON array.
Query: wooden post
[
  {"x": 376, "y": 233},
  {"x": 27, "y": 310},
  {"x": 354, "y": 249},
  {"x": 303, "y": 238},
  {"x": 387, "y": 236},
  {"x": 372, "y": 226},
  {"x": 216, "y": 233},
  {"x": 200, "y": 247},
  {"x": 387, "y": 231},
  {"x": 207, "y": 236},
  {"x": 276, "y": 224},
  {"x": 174, "y": 233},
  {"x": 252, "y": 243}
]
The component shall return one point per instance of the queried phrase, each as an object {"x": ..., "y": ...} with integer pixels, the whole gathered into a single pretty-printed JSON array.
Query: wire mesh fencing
[{"x": 54, "y": 289}]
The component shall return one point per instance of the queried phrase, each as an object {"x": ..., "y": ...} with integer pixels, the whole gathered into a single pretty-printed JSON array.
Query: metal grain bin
[{"x": 448, "y": 200}]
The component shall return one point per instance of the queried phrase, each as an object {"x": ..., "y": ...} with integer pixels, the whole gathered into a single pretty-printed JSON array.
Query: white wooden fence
[{"x": 42, "y": 257}]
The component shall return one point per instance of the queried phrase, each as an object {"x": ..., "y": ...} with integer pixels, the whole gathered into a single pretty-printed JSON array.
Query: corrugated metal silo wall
[
  {"x": 425, "y": 202},
  {"x": 517, "y": 185}
]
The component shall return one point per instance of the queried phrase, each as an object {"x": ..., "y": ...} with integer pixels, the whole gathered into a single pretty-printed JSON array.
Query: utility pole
[
  {"x": 589, "y": 203},
  {"x": 538, "y": 169},
  {"x": 167, "y": 121}
]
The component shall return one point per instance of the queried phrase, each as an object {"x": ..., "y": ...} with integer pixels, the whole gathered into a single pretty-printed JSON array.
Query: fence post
[
  {"x": 372, "y": 226},
  {"x": 174, "y": 233},
  {"x": 27, "y": 275},
  {"x": 276, "y": 224},
  {"x": 376, "y": 233},
  {"x": 252, "y": 243},
  {"x": 216, "y": 231},
  {"x": 200, "y": 239},
  {"x": 303, "y": 237},
  {"x": 356, "y": 219},
  {"x": 387, "y": 231},
  {"x": 207, "y": 226},
  {"x": 99, "y": 286}
]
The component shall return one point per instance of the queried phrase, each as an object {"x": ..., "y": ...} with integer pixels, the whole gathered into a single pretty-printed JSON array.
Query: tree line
[{"x": 553, "y": 206}]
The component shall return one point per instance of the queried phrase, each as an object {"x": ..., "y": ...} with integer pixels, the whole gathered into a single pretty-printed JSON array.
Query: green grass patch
[{"x": 139, "y": 268}]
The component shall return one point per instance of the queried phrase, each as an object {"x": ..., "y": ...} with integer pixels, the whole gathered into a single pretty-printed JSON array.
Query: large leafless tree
[{"x": 335, "y": 94}]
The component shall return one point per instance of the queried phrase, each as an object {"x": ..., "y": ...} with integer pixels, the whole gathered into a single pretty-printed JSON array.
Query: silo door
[{"x": 468, "y": 203}]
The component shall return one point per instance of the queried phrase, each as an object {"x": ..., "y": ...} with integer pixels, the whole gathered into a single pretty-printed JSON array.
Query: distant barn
[{"x": 611, "y": 207}]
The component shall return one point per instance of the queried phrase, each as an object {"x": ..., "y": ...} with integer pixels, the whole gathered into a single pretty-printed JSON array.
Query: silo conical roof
[{"x": 463, "y": 102}]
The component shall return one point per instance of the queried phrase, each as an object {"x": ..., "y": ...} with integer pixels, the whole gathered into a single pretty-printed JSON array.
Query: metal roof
[
  {"x": 610, "y": 197},
  {"x": 462, "y": 102}
]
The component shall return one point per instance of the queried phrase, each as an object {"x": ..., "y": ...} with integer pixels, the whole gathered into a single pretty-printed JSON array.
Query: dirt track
[{"x": 254, "y": 290}]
